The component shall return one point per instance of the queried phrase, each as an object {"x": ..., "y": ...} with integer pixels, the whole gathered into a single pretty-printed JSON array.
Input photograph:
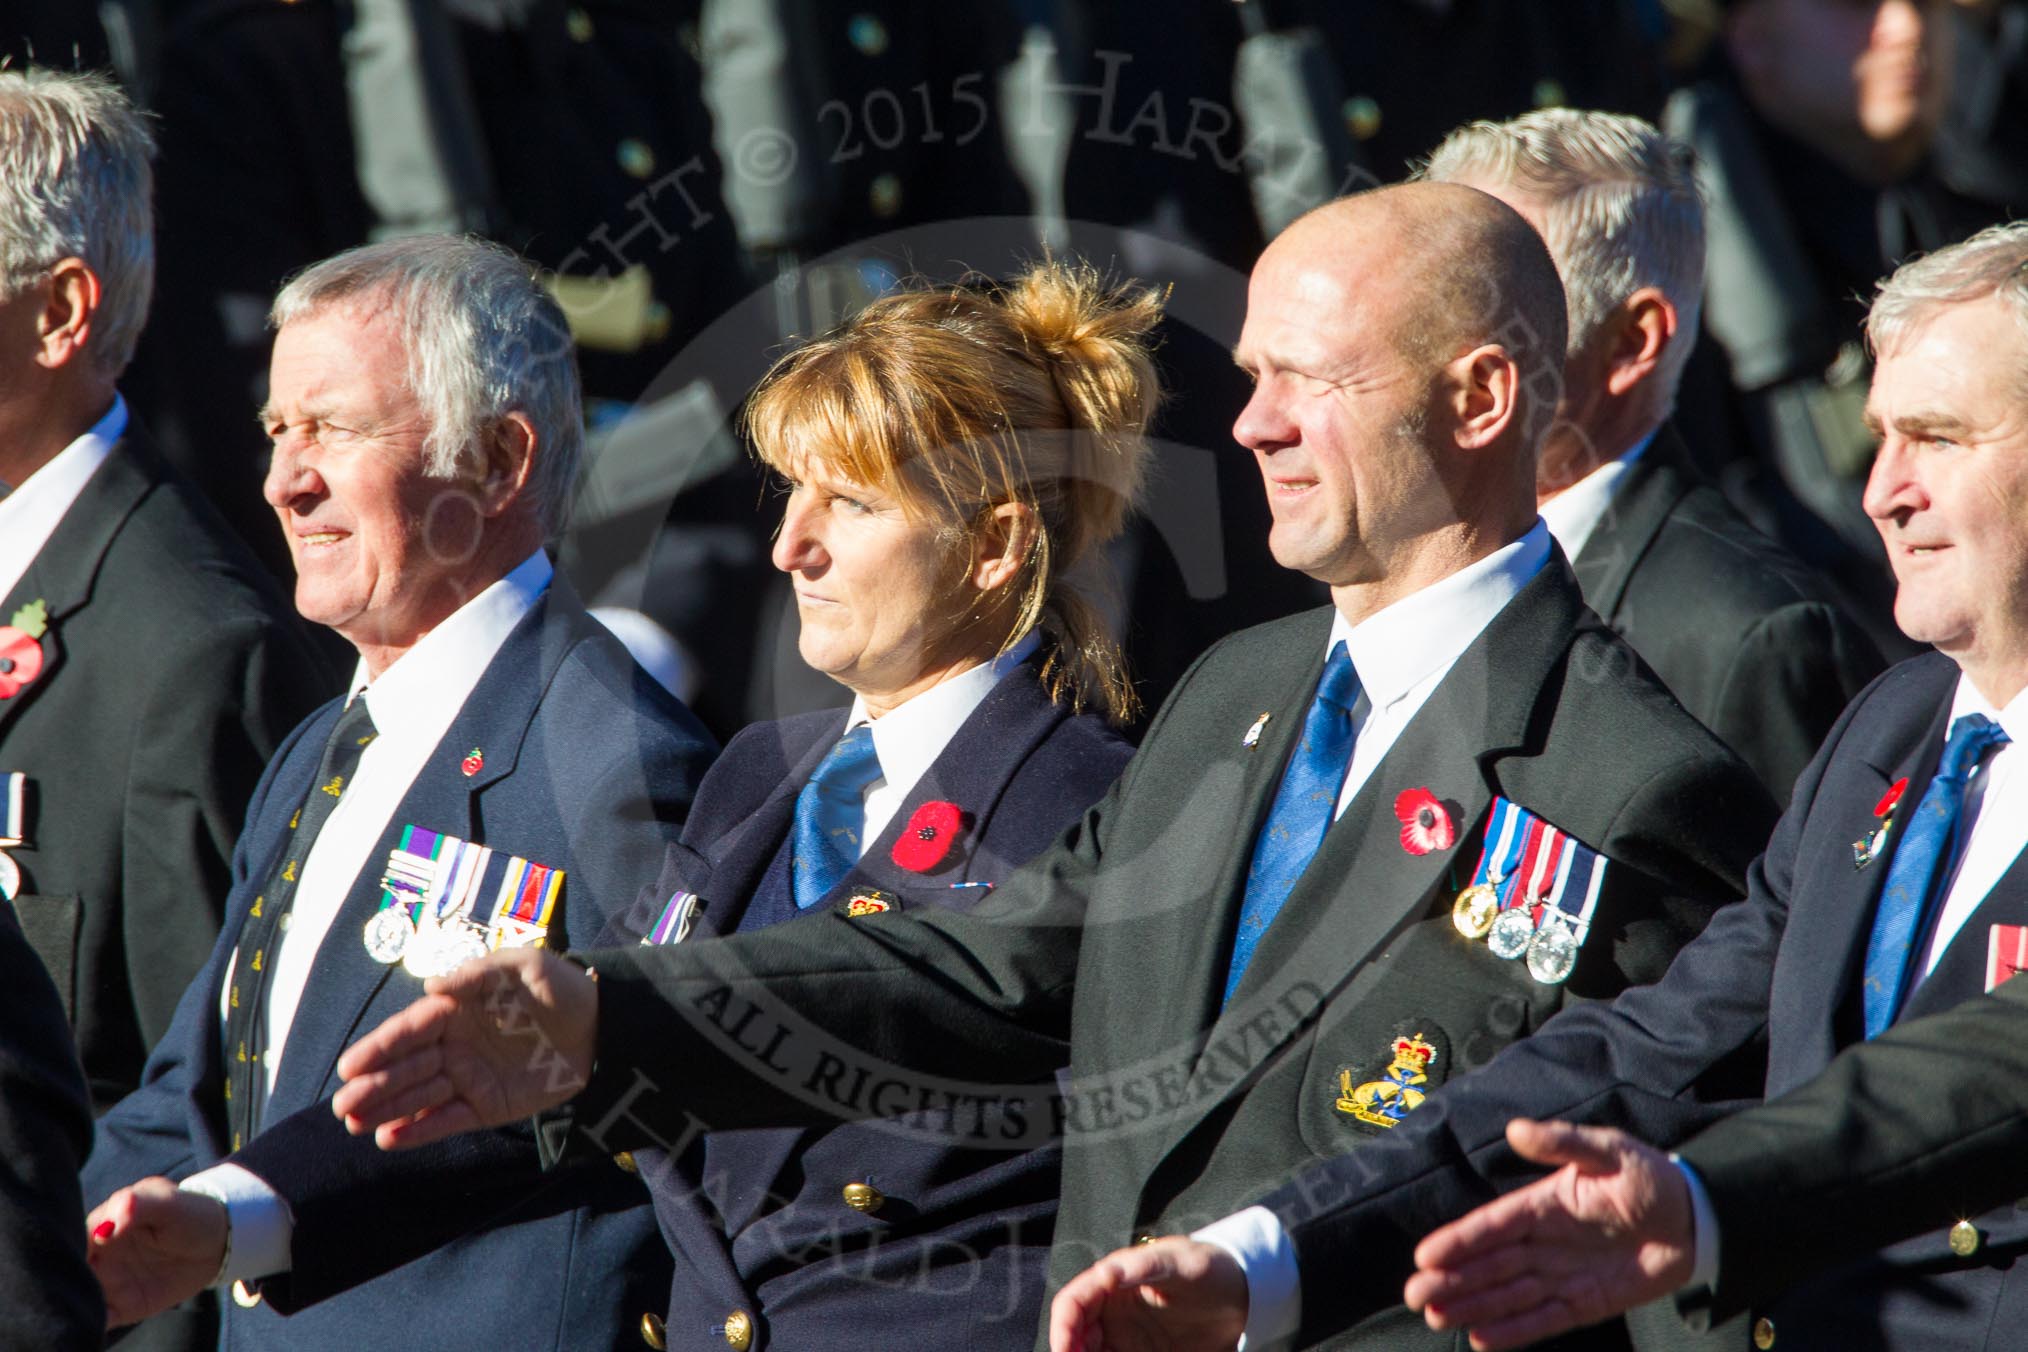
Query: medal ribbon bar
[
  {"x": 674, "y": 923},
  {"x": 13, "y": 809}
]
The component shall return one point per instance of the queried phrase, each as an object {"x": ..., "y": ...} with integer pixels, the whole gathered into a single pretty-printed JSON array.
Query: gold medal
[{"x": 1474, "y": 910}]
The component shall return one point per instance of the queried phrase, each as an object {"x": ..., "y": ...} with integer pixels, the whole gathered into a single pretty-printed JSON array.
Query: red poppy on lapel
[
  {"x": 927, "y": 839},
  {"x": 1425, "y": 823},
  {"x": 20, "y": 650},
  {"x": 1867, "y": 848},
  {"x": 475, "y": 761}
]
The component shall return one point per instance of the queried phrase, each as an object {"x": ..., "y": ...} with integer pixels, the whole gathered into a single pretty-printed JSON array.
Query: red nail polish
[{"x": 103, "y": 1231}]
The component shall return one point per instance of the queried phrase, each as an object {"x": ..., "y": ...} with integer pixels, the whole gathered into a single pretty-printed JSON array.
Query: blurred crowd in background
[{"x": 707, "y": 179}]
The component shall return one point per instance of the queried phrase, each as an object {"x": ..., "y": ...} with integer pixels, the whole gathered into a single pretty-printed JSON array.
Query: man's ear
[
  {"x": 1001, "y": 542},
  {"x": 1643, "y": 327},
  {"x": 1485, "y": 395},
  {"x": 510, "y": 461},
  {"x": 64, "y": 326}
]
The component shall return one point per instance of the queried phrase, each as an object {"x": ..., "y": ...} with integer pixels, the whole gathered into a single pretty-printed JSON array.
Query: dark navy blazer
[
  {"x": 961, "y": 1235},
  {"x": 1783, "y": 967},
  {"x": 587, "y": 765}
]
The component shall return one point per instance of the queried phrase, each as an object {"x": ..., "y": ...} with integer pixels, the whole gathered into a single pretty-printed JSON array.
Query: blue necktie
[
  {"x": 830, "y": 813},
  {"x": 1303, "y": 809},
  {"x": 1929, "y": 847}
]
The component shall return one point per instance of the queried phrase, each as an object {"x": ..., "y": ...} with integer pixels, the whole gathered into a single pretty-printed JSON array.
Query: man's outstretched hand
[
  {"x": 501, "y": 1037},
  {"x": 1609, "y": 1230},
  {"x": 1174, "y": 1295},
  {"x": 154, "y": 1246}
]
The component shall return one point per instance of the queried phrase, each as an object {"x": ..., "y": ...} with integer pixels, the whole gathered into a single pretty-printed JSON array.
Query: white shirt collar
[
  {"x": 1968, "y": 700},
  {"x": 1575, "y": 513},
  {"x": 30, "y": 514},
  {"x": 415, "y": 700},
  {"x": 909, "y": 737},
  {"x": 1397, "y": 649}
]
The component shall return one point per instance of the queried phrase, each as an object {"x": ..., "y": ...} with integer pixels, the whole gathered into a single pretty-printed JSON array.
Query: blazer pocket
[
  {"x": 1357, "y": 1087},
  {"x": 51, "y": 924}
]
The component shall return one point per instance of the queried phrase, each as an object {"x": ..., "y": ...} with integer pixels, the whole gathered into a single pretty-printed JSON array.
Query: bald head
[
  {"x": 1407, "y": 353},
  {"x": 1455, "y": 269}
]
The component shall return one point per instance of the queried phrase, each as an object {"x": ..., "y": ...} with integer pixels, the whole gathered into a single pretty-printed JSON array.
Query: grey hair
[
  {"x": 75, "y": 182},
  {"x": 1993, "y": 262},
  {"x": 1620, "y": 207},
  {"x": 484, "y": 340}
]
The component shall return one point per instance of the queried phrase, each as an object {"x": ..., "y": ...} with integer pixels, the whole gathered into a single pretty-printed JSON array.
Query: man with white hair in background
[
  {"x": 1749, "y": 638},
  {"x": 500, "y": 774},
  {"x": 148, "y": 667}
]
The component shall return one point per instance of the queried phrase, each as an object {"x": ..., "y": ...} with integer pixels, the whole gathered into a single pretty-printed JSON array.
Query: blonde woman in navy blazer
[{"x": 950, "y": 457}]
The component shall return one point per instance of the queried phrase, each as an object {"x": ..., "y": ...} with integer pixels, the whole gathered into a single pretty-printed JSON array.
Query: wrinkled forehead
[
  {"x": 339, "y": 354},
  {"x": 1319, "y": 315},
  {"x": 1963, "y": 359}
]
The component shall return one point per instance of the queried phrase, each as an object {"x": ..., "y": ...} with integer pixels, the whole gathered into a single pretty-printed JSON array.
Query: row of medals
[
  {"x": 426, "y": 950},
  {"x": 1551, "y": 951}
]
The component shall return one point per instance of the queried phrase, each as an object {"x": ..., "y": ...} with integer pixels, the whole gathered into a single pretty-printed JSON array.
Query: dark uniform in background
[
  {"x": 49, "y": 1298},
  {"x": 592, "y": 156},
  {"x": 861, "y": 143},
  {"x": 53, "y": 33}
]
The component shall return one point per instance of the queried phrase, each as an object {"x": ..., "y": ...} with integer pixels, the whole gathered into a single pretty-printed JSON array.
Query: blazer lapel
[
  {"x": 66, "y": 569},
  {"x": 264, "y": 842},
  {"x": 1835, "y": 903},
  {"x": 740, "y": 858},
  {"x": 1961, "y": 969},
  {"x": 1657, "y": 482},
  {"x": 1201, "y": 935},
  {"x": 971, "y": 772},
  {"x": 495, "y": 718},
  {"x": 1363, "y": 886}
]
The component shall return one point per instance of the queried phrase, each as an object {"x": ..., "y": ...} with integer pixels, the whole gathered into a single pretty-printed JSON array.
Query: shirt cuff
[
  {"x": 1274, "y": 1292},
  {"x": 1703, "y": 1230},
  {"x": 262, "y": 1226}
]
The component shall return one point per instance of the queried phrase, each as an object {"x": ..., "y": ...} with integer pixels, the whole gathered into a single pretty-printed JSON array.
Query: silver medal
[
  {"x": 423, "y": 956},
  {"x": 1511, "y": 932},
  {"x": 10, "y": 877},
  {"x": 1552, "y": 953},
  {"x": 388, "y": 935},
  {"x": 460, "y": 944}
]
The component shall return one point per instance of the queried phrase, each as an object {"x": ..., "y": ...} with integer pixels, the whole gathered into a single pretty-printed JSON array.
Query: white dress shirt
[
  {"x": 1996, "y": 822},
  {"x": 1401, "y": 654},
  {"x": 36, "y": 506},
  {"x": 413, "y": 704},
  {"x": 909, "y": 737},
  {"x": 1574, "y": 514},
  {"x": 1996, "y": 815}
]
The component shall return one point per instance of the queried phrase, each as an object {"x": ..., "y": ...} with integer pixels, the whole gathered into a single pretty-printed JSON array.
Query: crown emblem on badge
[
  {"x": 1412, "y": 1051},
  {"x": 1383, "y": 1102}
]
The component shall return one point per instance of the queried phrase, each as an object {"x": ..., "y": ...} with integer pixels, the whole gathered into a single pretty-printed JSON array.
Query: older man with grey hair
[
  {"x": 1749, "y": 638},
  {"x": 499, "y": 774}
]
